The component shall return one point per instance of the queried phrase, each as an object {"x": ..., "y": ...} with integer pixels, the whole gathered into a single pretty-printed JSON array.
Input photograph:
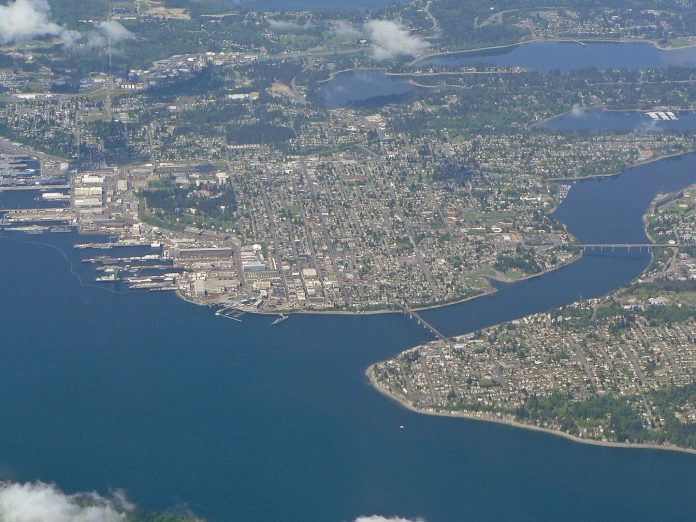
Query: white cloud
[
  {"x": 342, "y": 28},
  {"x": 577, "y": 111},
  {"x": 70, "y": 37},
  {"x": 380, "y": 518},
  {"x": 390, "y": 39},
  {"x": 41, "y": 502},
  {"x": 114, "y": 30},
  {"x": 26, "y": 19},
  {"x": 282, "y": 26},
  {"x": 106, "y": 31},
  {"x": 645, "y": 127}
]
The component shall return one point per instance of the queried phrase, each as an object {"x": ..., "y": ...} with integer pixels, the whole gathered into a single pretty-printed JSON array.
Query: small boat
[{"x": 280, "y": 319}]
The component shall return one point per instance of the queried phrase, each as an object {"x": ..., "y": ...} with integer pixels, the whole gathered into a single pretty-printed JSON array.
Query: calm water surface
[
  {"x": 361, "y": 85},
  {"x": 599, "y": 120},
  {"x": 244, "y": 421},
  {"x": 567, "y": 56},
  {"x": 540, "y": 56}
]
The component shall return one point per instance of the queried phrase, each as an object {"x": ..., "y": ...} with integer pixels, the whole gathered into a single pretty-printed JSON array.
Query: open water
[{"x": 244, "y": 421}]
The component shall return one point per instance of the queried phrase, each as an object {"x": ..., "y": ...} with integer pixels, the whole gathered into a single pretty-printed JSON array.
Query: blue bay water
[
  {"x": 600, "y": 120},
  {"x": 244, "y": 421},
  {"x": 361, "y": 85},
  {"x": 566, "y": 56},
  {"x": 537, "y": 56},
  {"x": 599, "y": 210}
]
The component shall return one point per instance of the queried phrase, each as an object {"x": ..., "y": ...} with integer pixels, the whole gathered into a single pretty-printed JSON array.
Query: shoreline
[
  {"x": 579, "y": 41},
  {"x": 409, "y": 76},
  {"x": 484, "y": 294},
  {"x": 376, "y": 312},
  {"x": 456, "y": 301},
  {"x": 527, "y": 277},
  {"x": 490, "y": 291},
  {"x": 477, "y": 50},
  {"x": 591, "y": 108},
  {"x": 519, "y": 425},
  {"x": 638, "y": 164},
  {"x": 332, "y": 76}
]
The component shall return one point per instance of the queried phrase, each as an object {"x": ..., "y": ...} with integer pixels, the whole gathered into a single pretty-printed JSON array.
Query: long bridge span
[
  {"x": 412, "y": 314},
  {"x": 629, "y": 246},
  {"x": 613, "y": 246}
]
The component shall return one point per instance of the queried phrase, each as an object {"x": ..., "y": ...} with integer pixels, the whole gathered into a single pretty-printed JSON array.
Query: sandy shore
[{"x": 627, "y": 445}]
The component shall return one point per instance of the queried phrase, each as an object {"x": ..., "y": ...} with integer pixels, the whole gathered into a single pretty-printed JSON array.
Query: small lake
[
  {"x": 357, "y": 86},
  {"x": 601, "y": 120},
  {"x": 568, "y": 56}
]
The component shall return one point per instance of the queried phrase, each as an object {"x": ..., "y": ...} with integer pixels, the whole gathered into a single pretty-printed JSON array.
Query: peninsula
[{"x": 616, "y": 370}]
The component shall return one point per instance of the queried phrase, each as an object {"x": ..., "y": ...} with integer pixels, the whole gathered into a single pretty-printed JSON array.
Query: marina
[
  {"x": 229, "y": 312},
  {"x": 662, "y": 116}
]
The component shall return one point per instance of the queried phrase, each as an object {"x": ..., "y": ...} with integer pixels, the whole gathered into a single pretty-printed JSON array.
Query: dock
[
  {"x": 36, "y": 215},
  {"x": 7, "y": 188},
  {"x": 230, "y": 312}
]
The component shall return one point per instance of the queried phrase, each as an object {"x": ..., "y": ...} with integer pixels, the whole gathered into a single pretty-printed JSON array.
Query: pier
[
  {"x": 4, "y": 188},
  {"x": 36, "y": 215},
  {"x": 230, "y": 312},
  {"x": 117, "y": 244}
]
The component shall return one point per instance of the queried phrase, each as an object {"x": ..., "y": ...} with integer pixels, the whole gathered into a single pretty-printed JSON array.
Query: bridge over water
[
  {"x": 613, "y": 246},
  {"x": 412, "y": 314},
  {"x": 629, "y": 246}
]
